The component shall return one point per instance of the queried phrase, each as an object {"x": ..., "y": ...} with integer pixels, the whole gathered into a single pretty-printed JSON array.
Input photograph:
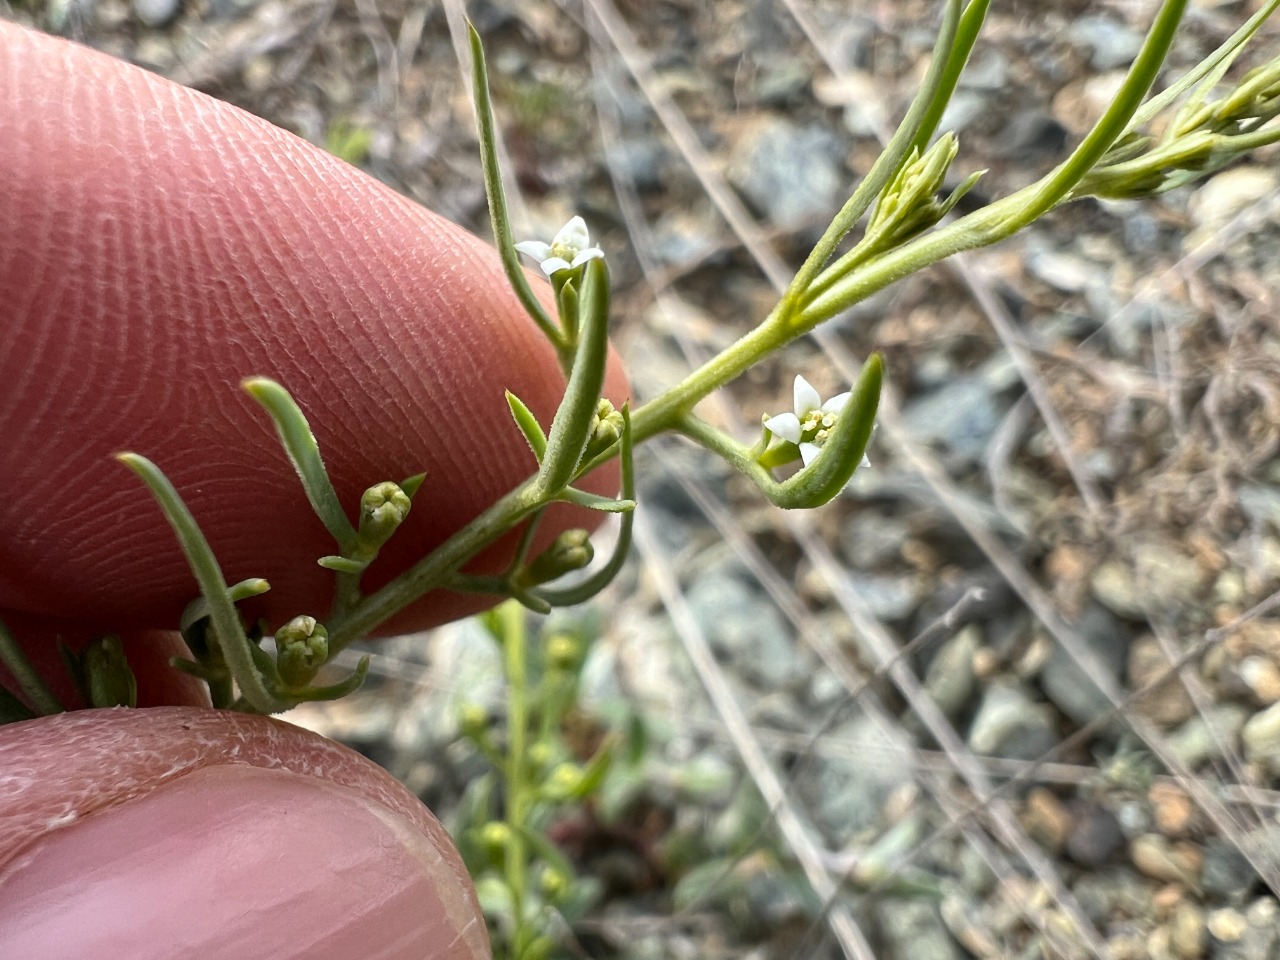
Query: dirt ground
[{"x": 1076, "y": 466}]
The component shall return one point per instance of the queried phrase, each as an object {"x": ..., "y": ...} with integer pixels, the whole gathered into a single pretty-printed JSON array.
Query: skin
[{"x": 156, "y": 247}]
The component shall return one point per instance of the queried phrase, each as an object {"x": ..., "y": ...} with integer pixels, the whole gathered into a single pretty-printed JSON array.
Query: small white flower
[
  {"x": 811, "y": 422},
  {"x": 571, "y": 247}
]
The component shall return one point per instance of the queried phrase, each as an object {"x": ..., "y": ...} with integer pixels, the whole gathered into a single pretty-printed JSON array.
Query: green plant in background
[
  {"x": 348, "y": 141},
  {"x": 546, "y": 757},
  {"x": 1203, "y": 123}
]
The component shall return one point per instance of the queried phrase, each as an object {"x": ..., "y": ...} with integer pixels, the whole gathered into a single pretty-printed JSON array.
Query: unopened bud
[
  {"x": 473, "y": 721},
  {"x": 571, "y": 551},
  {"x": 606, "y": 428},
  {"x": 553, "y": 883},
  {"x": 564, "y": 651},
  {"x": 108, "y": 680},
  {"x": 495, "y": 837},
  {"x": 383, "y": 507},
  {"x": 564, "y": 781},
  {"x": 302, "y": 647}
]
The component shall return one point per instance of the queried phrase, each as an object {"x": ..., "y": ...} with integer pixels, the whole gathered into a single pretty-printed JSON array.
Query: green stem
[
  {"x": 893, "y": 155},
  {"x": 1142, "y": 74},
  {"x": 434, "y": 569},
  {"x": 515, "y": 654},
  {"x": 29, "y": 680},
  {"x": 497, "y": 196}
]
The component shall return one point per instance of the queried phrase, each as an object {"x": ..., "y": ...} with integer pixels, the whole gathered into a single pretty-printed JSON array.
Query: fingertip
[
  {"x": 174, "y": 833},
  {"x": 157, "y": 248}
]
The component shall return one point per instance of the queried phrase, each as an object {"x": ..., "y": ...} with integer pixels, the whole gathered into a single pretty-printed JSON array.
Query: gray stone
[
  {"x": 683, "y": 236},
  {"x": 870, "y": 537},
  {"x": 891, "y": 597},
  {"x": 1261, "y": 739},
  {"x": 156, "y": 13},
  {"x": 962, "y": 416},
  {"x": 1009, "y": 724},
  {"x": 950, "y": 680},
  {"x": 1105, "y": 893},
  {"x": 851, "y": 786},
  {"x": 1261, "y": 504},
  {"x": 1062, "y": 269},
  {"x": 913, "y": 928},
  {"x": 744, "y": 627},
  {"x": 1095, "y": 834},
  {"x": 1197, "y": 740},
  {"x": 1109, "y": 42},
  {"x": 1226, "y": 872},
  {"x": 1064, "y": 681},
  {"x": 794, "y": 175}
]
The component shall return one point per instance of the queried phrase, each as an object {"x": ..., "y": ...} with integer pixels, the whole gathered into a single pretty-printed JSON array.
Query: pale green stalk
[{"x": 515, "y": 655}]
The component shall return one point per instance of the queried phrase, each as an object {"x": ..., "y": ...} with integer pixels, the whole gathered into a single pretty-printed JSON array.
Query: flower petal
[
  {"x": 591, "y": 253},
  {"x": 555, "y": 265},
  {"x": 573, "y": 235},
  {"x": 808, "y": 451},
  {"x": 535, "y": 248},
  {"x": 836, "y": 403},
  {"x": 784, "y": 425},
  {"x": 805, "y": 396}
]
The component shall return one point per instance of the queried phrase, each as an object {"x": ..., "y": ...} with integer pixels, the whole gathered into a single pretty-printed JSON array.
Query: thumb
[
  {"x": 176, "y": 832},
  {"x": 156, "y": 247}
]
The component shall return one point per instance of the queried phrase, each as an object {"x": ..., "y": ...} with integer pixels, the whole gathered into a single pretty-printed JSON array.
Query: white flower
[
  {"x": 568, "y": 249},
  {"x": 811, "y": 422}
]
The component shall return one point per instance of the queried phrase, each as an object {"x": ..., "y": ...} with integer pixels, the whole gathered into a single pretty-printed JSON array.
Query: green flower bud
[
  {"x": 108, "y": 680},
  {"x": 383, "y": 507},
  {"x": 606, "y": 429},
  {"x": 564, "y": 781},
  {"x": 571, "y": 551},
  {"x": 473, "y": 721},
  {"x": 302, "y": 647},
  {"x": 564, "y": 651},
  {"x": 495, "y": 837},
  {"x": 553, "y": 883},
  {"x": 539, "y": 756}
]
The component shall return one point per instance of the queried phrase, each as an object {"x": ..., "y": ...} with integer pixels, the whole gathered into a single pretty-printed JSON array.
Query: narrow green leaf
[
  {"x": 334, "y": 691},
  {"x": 27, "y": 677},
  {"x": 528, "y": 425},
  {"x": 343, "y": 564},
  {"x": 13, "y": 710},
  {"x": 198, "y": 609},
  {"x": 593, "y": 501},
  {"x": 584, "y": 591},
  {"x": 933, "y": 90},
  {"x": 498, "y": 214},
  {"x": 1216, "y": 63},
  {"x": 300, "y": 444},
  {"x": 411, "y": 485},
  {"x": 232, "y": 642},
  {"x": 571, "y": 427}
]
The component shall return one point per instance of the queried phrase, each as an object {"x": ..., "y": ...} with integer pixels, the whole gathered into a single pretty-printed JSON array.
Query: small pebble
[
  {"x": 1261, "y": 736},
  {"x": 1227, "y": 872},
  {"x": 1161, "y": 860},
  {"x": 1227, "y": 925},
  {"x": 156, "y": 13},
  {"x": 1168, "y": 703},
  {"x": 1158, "y": 944},
  {"x": 1095, "y": 835},
  {"x": 1172, "y": 809},
  {"x": 1045, "y": 819},
  {"x": 1262, "y": 677},
  {"x": 1187, "y": 932}
]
